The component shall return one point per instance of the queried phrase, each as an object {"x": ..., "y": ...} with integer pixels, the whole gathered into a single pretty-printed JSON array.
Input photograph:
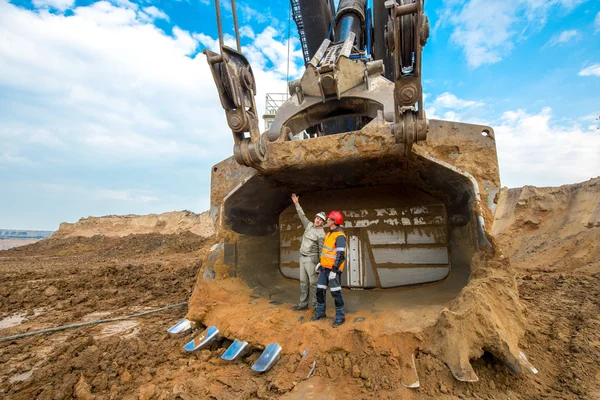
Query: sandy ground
[{"x": 551, "y": 236}]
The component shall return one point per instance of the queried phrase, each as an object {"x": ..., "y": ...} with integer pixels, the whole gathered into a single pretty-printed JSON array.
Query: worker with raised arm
[
  {"x": 310, "y": 249},
  {"x": 332, "y": 262}
]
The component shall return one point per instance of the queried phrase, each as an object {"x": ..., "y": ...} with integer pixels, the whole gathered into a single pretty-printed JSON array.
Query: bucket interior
[
  {"x": 409, "y": 224},
  {"x": 396, "y": 235}
]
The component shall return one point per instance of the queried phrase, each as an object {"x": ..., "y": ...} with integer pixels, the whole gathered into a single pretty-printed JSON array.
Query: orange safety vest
[{"x": 329, "y": 252}]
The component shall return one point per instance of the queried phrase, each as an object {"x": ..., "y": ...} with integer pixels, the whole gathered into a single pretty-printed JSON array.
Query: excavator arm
[
  {"x": 406, "y": 34},
  {"x": 236, "y": 86},
  {"x": 341, "y": 79}
]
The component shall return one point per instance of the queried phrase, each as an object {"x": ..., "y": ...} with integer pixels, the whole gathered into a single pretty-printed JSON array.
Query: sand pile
[
  {"x": 123, "y": 225},
  {"x": 551, "y": 229}
]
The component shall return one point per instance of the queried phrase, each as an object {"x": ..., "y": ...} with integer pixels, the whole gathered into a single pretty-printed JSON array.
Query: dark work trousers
[{"x": 335, "y": 288}]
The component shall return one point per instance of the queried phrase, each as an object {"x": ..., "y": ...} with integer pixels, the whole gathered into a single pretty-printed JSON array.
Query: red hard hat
[{"x": 337, "y": 217}]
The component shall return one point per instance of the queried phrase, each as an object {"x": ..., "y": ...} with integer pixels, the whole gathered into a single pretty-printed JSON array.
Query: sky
[{"x": 109, "y": 107}]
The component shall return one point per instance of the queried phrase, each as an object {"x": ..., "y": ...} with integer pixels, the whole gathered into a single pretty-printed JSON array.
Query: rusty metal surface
[
  {"x": 455, "y": 172},
  {"x": 234, "y": 79},
  {"x": 236, "y": 86},
  {"x": 397, "y": 235},
  {"x": 300, "y": 112},
  {"x": 406, "y": 34}
]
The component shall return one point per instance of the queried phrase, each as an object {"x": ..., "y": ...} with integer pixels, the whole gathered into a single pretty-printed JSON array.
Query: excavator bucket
[
  {"x": 418, "y": 198},
  {"x": 409, "y": 222}
]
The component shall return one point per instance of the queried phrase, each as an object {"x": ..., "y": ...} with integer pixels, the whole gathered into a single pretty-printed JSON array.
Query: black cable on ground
[{"x": 96, "y": 322}]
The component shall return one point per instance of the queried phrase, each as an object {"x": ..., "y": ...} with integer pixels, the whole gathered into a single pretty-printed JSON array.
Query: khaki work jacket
[{"x": 312, "y": 239}]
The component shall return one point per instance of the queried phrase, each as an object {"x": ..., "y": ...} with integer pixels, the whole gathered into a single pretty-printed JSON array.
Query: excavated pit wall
[
  {"x": 234, "y": 293},
  {"x": 122, "y": 225}
]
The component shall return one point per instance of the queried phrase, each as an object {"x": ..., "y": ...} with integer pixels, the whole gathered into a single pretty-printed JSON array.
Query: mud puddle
[{"x": 19, "y": 318}]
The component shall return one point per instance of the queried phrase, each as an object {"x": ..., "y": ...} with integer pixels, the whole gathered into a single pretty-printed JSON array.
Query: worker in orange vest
[{"x": 331, "y": 265}]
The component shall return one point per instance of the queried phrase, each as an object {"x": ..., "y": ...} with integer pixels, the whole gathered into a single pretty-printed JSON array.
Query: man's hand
[
  {"x": 332, "y": 275},
  {"x": 295, "y": 198},
  {"x": 318, "y": 267}
]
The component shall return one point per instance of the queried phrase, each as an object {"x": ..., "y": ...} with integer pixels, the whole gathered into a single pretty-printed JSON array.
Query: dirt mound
[
  {"x": 123, "y": 225},
  {"x": 552, "y": 237},
  {"x": 550, "y": 229},
  {"x": 114, "y": 247}
]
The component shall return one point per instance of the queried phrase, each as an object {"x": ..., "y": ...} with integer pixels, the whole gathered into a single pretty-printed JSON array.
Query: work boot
[
  {"x": 340, "y": 315},
  {"x": 318, "y": 317},
  {"x": 338, "y": 322},
  {"x": 299, "y": 308}
]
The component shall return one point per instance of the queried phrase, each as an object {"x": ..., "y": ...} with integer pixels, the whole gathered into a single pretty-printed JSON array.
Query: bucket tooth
[
  {"x": 518, "y": 364},
  {"x": 182, "y": 326},
  {"x": 236, "y": 350},
  {"x": 268, "y": 358},
  {"x": 410, "y": 377},
  {"x": 306, "y": 366},
  {"x": 208, "y": 336},
  {"x": 463, "y": 371}
]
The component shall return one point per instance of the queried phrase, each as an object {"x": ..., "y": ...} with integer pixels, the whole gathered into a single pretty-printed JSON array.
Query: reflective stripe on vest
[{"x": 329, "y": 252}]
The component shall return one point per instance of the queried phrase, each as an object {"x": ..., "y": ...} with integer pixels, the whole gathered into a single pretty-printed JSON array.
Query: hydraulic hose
[{"x": 96, "y": 322}]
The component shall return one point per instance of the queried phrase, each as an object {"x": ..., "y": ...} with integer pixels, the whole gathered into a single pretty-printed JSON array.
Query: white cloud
[
  {"x": 213, "y": 43},
  {"x": 269, "y": 49},
  {"x": 248, "y": 14},
  {"x": 9, "y": 158},
  {"x": 448, "y": 100},
  {"x": 487, "y": 30},
  {"x": 563, "y": 37},
  {"x": 592, "y": 70},
  {"x": 105, "y": 88},
  {"x": 57, "y": 4},
  {"x": 124, "y": 195},
  {"x": 448, "y": 106},
  {"x": 247, "y": 31},
  {"x": 125, "y": 4},
  {"x": 106, "y": 83},
  {"x": 154, "y": 13},
  {"x": 138, "y": 196},
  {"x": 533, "y": 150},
  {"x": 597, "y": 22}
]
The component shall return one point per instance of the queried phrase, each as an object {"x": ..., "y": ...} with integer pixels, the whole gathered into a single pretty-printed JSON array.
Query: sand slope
[
  {"x": 551, "y": 229},
  {"x": 123, "y": 225}
]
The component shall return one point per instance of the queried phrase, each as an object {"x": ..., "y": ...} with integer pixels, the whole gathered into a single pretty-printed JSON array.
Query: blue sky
[{"x": 108, "y": 107}]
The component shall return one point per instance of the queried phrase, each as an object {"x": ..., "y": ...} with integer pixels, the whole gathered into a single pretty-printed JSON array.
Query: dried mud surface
[{"x": 550, "y": 236}]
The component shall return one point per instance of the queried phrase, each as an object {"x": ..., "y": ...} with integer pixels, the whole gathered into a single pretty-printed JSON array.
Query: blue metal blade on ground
[
  {"x": 182, "y": 326},
  {"x": 235, "y": 350},
  {"x": 268, "y": 358},
  {"x": 207, "y": 337}
]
